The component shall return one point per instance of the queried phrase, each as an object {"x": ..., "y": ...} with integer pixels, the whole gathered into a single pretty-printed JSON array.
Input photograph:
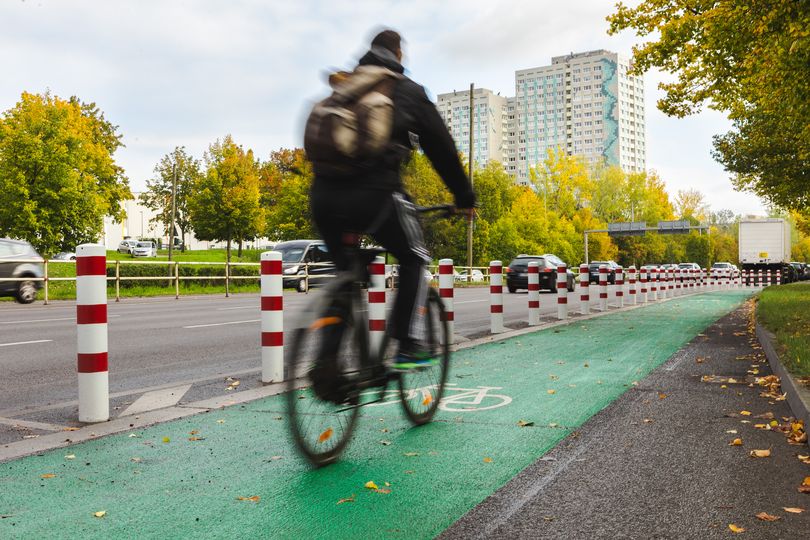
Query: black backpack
[{"x": 353, "y": 126}]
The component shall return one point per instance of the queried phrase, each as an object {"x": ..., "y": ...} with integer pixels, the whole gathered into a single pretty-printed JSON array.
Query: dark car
[
  {"x": 593, "y": 271},
  {"x": 305, "y": 263},
  {"x": 517, "y": 273},
  {"x": 18, "y": 259},
  {"x": 802, "y": 270}
]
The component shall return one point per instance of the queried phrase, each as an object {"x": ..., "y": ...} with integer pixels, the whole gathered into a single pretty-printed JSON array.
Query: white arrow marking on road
[
  {"x": 221, "y": 323},
  {"x": 25, "y": 342},
  {"x": 157, "y": 399}
]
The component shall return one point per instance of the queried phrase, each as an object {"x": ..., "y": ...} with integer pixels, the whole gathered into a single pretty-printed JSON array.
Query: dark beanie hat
[{"x": 388, "y": 39}]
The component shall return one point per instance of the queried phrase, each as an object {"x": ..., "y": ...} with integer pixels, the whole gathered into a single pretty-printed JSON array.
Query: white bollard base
[
  {"x": 94, "y": 389},
  {"x": 272, "y": 364}
]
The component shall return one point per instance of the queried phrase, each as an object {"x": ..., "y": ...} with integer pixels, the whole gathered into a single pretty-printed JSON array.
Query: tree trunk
[{"x": 239, "y": 250}]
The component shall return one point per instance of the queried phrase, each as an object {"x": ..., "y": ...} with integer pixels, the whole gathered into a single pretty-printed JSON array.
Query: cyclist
[{"x": 371, "y": 199}]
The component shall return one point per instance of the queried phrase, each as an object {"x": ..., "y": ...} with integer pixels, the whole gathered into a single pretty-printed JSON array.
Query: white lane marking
[
  {"x": 470, "y": 302},
  {"x": 158, "y": 399},
  {"x": 25, "y": 342},
  {"x": 50, "y": 320},
  {"x": 238, "y": 307},
  {"x": 221, "y": 323},
  {"x": 30, "y": 424}
]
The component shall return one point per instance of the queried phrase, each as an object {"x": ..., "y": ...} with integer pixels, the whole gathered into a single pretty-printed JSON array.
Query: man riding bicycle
[{"x": 365, "y": 194}]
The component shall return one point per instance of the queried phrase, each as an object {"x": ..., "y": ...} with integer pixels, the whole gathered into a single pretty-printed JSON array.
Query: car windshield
[
  {"x": 720, "y": 265},
  {"x": 521, "y": 265},
  {"x": 145, "y": 244},
  {"x": 685, "y": 265},
  {"x": 291, "y": 254}
]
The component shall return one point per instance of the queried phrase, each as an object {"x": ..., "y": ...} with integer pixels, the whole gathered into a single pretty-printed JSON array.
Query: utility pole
[
  {"x": 471, "y": 158},
  {"x": 174, "y": 194}
]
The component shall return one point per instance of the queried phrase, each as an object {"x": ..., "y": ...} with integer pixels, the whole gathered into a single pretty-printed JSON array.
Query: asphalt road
[{"x": 160, "y": 342}]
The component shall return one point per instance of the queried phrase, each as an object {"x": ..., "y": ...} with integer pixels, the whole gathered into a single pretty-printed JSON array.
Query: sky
[{"x": 185, "y": 73}]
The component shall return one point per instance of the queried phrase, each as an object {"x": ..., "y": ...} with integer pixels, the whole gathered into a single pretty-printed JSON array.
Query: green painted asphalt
[{"x": 190, "y": 488}]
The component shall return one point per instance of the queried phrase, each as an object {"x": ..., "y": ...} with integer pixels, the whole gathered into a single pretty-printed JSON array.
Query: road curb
[{"x": 797, "y": 397}]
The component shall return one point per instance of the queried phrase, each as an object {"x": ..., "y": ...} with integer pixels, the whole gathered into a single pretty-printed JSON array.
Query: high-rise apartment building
[
  {"x": 489, "y": 122},
  {"x": 585, "y": 104}
]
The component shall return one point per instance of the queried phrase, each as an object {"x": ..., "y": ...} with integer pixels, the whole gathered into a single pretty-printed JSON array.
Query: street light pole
[
  {"x": 174, "y": 193},
  {"x": 470, "y": 219}
]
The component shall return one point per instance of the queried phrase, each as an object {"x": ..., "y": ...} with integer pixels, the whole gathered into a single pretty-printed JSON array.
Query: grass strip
[{"x": 785, "y": 311}]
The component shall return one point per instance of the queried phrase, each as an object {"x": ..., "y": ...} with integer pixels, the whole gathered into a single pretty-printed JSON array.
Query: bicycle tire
[
  {"x": 322, "y": 429},
  {"x": 421, "y": 390}
]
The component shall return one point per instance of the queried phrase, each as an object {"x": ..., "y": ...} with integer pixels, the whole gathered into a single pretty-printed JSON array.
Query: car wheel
[
  {"x": 511, "y": 289},
  {"x": 26, "y": 292},
  {"x": 302, "y": 285},
  {"x": 571, "y": 286},
  {"x": 389, "y": 283}
]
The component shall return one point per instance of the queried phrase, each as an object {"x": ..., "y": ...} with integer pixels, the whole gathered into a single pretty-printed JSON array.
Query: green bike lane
[{"x": 185, "y": 478}]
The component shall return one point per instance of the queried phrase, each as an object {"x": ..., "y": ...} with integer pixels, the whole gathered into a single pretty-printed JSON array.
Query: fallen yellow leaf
[
  {"x": 736, "y": 442},
  {"x": 70, "y": 429},
  {"x": 370, "y": 485},
  {"x": 428, "y": 399},
  {"x": 804, "y": 459},
  {"x": 793, "y": 510},
  {"x": 761, "y": 426},
  {"x": 100, "y": 513},
  {"x": 193, "y": 432},
  {"x": 220, "y": 421},
  {"x": 550, "y": 391},
  {"x": 774, "y": 423},
  {"x": 735, "y": 529},
  {"x": 346, "y": 500},
  {"x": 254, "y": 498},
  {"x": 761, "y": 453},
  {"x": 524, "y": 423},
  {"x": 662, "y": 396},
  {"x": 196, "y": 438},
  {"x": 326, "y": 435},
  {"x": 487, "y": 460},
  {"x": 70, "y": 456},
  {"x": 806, "y": 481},
  {"x": 48, "y": 475},
  {"x": 166, "y": 439},
  {"x": 745, "y": 413},
  {"x": 384, "y": 491},
  {"x": 764, "y": 516}
]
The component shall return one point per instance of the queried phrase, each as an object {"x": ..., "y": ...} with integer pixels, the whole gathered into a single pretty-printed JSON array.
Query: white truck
[{"x": 764, "y": 244}]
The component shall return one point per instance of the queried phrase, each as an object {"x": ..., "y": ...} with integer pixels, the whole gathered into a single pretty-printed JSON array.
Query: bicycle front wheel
[
  {"x": 422, "y": 389},
  {"x": 329, "y": 334}
]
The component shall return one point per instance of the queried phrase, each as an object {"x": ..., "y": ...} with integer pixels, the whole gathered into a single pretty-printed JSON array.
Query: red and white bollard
[
  {"x": 446, "y": 293},
  {"x": 584, "y": 285},
  {"x": 496, "y": 297},
  {"x": 759, "y": 277},
  {"x": 768, "y": 277},
  {"x": 603, "y": 287},
  {"x": 272, "y": 317},
  {"x": 562, "y": 292},
  {"x": 91, "y": 327},
  {"x": 631, "y": 272},
  {"x": 653, "y": 284},
  {"x": 679, "y": 282},
  {"x": 619, "y": 281},
  {"x": 778, "y": 277},
  {"x": 534, "y": 293},
  {"x": 643, "y": 287},
  {"x": 670, "y": 283},
  {"x": 376, "y": 304}
]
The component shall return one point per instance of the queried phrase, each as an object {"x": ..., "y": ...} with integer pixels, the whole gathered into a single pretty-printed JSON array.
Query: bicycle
[{"x": 336, "y": 323}]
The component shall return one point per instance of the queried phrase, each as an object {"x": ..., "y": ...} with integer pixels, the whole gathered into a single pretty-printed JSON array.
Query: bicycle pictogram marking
[{"x": 456, "y": 399}]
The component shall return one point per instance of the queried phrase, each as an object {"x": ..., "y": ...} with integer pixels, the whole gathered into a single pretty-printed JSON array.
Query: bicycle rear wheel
[
  {"x": 321, "y": 428},
  {"x": 422, "y": 389}
]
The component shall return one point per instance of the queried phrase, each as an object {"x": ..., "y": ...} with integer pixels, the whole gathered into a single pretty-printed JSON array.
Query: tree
[
  {"x": 749, "y": 59},
  {"x": 285, "y": 183},
  {"x": 225, "y": 203},
  {"x": 158, "y": 194},
  {"x": 691, "y": 204},
  {"x": 58, "y": 177}
]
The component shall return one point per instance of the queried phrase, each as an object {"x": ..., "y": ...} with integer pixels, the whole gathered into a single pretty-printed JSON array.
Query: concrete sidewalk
[
  {"x": 234, "y": 473},
  {"x": 657, "y": 462}
]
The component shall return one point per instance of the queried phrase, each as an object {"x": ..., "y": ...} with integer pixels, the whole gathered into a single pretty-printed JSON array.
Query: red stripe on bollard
[
  {"x": 91, "y": 314},
  {"x": 561, "y": 300},
  {"x": 92, "y": 362},
  {"x": 376, "y": 325},
  {"x": 445, "y": 269},
  {"x": 91, "y": 266},
  {"x": 271, "y": 267},
  {"x": 272, "y": 303},
  {"x": 534, "y": 304},
  {"x": 534, "y": 286},
  {"x": 449, "y": 316},
  {"x": 496, "y": 289},
  {"x": 272, "y": 339},
  {"x": 496, "y": 308},
  {"x": 446, "y": 293},
  {"x": 376, "y": 297}
]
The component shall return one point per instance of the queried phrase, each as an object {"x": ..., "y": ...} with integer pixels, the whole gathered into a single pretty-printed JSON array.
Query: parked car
[
  {"x": 144, "y": 249},
  {"x": 64, "y": 256},
  {"x": 517, "y": 273},
  {"x": 126, "y": 246},
  {"x": 802, "y": 270},
  {"x": 593, "y": 271},
  {"x": 476, "y": 275},
  {"x": 723, "y": 270},
  {"x": 19, "y": 259},
  {"x": 297, "y": 255}
]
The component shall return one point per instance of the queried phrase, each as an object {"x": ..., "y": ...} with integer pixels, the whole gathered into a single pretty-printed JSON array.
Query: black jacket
[{"x": 414, "y": 114}]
